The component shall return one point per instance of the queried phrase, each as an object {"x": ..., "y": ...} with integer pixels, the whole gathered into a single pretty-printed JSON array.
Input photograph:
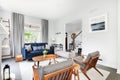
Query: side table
[{"x": 18, "y": 57}]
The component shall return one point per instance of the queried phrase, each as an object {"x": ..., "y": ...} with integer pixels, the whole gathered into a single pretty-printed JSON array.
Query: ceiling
[{"x": 47, "y": 9}]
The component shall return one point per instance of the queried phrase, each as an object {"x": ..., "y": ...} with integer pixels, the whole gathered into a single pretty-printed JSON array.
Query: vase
[{"x": 44, "y": 55}]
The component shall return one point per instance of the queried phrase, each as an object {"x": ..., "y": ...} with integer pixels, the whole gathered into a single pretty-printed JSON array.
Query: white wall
[
  {"x": 118, "y": 55},
  {"x": 5, "y": 15},
  {"x": 105, "y": 42}
]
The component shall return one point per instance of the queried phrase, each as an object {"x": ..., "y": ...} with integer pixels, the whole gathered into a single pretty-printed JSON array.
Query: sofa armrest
[{"x": 24, "y": 53}]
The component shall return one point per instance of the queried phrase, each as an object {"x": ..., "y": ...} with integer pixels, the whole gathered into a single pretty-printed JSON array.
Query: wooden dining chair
[{"x": 88, "y": 63}]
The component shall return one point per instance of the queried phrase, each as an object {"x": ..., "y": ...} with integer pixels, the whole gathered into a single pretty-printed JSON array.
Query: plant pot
[{"x": 44, "y": 55}]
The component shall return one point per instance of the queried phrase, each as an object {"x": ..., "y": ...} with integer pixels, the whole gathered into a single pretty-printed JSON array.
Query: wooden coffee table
[{"x": 37, "y": 59}]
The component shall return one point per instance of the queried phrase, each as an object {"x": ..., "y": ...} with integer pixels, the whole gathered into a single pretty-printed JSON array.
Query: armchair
[
  {"x": 58, "y": 71},
  {"x": 88, "y": 63}
]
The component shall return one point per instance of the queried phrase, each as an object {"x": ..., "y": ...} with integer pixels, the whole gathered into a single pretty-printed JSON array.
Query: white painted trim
[
  {"x": 118, "y": 71},
  {"x": 118, "y": 45},
  {"x": 6, "y": 57},
  {"x": 0, "y": 61}
]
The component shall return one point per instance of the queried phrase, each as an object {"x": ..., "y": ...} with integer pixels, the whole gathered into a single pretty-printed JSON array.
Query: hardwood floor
[{"x": 113, "y": 75}]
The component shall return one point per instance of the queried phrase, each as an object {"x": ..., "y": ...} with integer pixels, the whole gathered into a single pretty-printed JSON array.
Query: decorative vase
[{"x": 44, "y": 55}]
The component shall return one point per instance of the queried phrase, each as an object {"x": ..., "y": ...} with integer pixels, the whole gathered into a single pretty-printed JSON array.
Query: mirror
[{"x": 73, "y": 37}]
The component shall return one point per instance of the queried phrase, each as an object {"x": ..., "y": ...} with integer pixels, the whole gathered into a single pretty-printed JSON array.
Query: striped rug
[{"x": 94, "y": 75}]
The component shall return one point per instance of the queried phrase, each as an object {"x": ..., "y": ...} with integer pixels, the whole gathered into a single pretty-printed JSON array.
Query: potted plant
[{"x": 45, "y": 52}]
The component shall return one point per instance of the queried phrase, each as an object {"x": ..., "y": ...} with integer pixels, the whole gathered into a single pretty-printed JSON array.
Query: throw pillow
[
  {"x": 35, "y": 48},
  {"x": 39, "y": 47},
  {"x": 28, "y": 47},
  {"x": 47, "y": 47},
  {"x": 42, "y": 47}
]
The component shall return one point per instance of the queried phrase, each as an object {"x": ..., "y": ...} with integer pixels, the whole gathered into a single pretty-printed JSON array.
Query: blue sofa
[{"x": 35, "y": 52}]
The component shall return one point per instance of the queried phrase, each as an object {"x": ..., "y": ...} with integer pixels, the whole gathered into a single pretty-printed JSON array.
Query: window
[{"x": 32, "y": 34}]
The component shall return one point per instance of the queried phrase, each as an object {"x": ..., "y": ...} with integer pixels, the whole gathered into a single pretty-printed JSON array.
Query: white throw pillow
[
  {"x": 28, "y": 47},
  {"x": 47, "y": 47}
]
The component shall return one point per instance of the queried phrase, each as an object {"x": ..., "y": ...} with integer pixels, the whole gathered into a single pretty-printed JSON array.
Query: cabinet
[{"x": 58, "y": 47}]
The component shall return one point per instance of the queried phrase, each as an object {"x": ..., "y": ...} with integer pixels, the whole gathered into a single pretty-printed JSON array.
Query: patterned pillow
[
  {"x": 35, "y": 48},
  {"x": 39, "y": 47},
  {"x": 42, "y": 47},
  {"x": 28, "y": 47}
]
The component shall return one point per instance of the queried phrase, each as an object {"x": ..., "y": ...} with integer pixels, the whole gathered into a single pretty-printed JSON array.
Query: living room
[{"x": 57, "y": 14}]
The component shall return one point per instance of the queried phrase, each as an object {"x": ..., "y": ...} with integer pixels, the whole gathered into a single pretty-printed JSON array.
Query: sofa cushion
[
  {"x": 35, "y": 48},
  {"x": 40, "y": 47},
  {"x": 35, "y": 52}
]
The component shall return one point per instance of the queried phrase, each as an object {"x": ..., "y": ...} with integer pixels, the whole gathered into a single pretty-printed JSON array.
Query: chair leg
[
  {"x": 98, "y": 71},
  {"x": 86, "y": 76}
]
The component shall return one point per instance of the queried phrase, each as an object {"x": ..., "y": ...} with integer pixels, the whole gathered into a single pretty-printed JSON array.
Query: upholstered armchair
[
  {"x": 88, "y": 63},
  {"x": 58, "y": 71}
]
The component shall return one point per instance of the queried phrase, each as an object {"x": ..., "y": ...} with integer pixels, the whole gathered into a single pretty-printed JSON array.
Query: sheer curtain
[
  {"x": 44, "y": 24},
  {"x": 18, "y": 32}
]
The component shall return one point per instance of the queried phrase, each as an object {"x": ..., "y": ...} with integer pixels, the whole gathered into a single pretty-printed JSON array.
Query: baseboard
[
  {"x": 6, "y": 57},
  {"x": 118, "y": 71}
]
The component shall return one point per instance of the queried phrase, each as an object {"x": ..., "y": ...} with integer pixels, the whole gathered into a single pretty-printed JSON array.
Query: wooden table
[
  {"x": 37, "y": 59},
  {"x": 18, "y": 57}
]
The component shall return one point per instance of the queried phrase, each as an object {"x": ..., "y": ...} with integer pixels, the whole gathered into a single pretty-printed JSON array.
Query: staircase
[
  {"x": 72, "y": 45},
  {"x": 4, "y": 35}
]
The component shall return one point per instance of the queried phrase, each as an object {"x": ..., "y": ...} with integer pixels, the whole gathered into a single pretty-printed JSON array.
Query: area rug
[
  {"x": 94, "y": 75},
  {"x": 27, "y": 73}
]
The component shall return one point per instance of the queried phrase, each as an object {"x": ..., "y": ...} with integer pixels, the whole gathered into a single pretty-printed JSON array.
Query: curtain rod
[{"x": 30, "y": 26}]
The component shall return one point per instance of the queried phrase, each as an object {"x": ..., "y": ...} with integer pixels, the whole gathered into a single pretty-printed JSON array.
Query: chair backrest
[
  {"x": 91, "y": 60},
  {"x": 90, "y": 55},
  {"x": 63, "y": 74},
  {"x": 59, "y": 71}
]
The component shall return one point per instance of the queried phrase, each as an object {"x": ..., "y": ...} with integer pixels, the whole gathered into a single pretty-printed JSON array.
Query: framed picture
[{"x": 98, "y": 24}]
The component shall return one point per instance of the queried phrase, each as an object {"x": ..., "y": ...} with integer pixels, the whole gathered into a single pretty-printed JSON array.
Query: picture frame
[{"x": 98, "y": 24}]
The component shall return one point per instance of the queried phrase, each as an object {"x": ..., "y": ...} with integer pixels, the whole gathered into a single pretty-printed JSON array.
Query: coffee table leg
[
  {"x": 55, "y": 61},
  {"x": 49, "y": 62},
  {"x": 37, "y": 63},
  {"x": 34, "y": 63}
]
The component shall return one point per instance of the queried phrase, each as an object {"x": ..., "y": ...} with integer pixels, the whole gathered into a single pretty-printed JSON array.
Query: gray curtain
[
  {"x": 18, "y": 32},
  {"x": 44, "y": 24}
]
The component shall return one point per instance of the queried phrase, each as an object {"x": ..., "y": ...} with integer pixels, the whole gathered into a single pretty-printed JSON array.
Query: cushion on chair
[
  {"x": 58, "y": 66},
  {"x": 90, "y": 55},
  {"x": 40, "y": 72},
  {"x": 78, "y": 61},
  {"x": 52, "y": 68}
]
